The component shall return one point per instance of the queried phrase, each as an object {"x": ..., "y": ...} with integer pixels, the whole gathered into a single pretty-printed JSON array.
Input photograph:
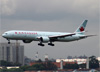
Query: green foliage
[
  {"x": 83, "y": 66},
  {"x": 40, "y": 66},
  {"x": 33, "y": 67},
  {"x": 16, "y": 64},
  {"x": 93, "y": 62},
  {"x": 15, "y": 70},
  {"x": 3, "y": 70},
  {"x": 50, "y": 66},
  {"x": 11, "y": 70},
  {"x": 5, "y": 63},
  {"x": 39, "y": 60},
  {"x": 24, "y": 68},
  {"x": 71, "y": 66}
]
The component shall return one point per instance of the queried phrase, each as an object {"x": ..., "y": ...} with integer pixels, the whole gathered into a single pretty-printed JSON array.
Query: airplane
[{"x": 47, "y": 37}]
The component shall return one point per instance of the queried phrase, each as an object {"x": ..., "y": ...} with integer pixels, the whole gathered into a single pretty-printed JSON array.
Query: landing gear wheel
[
  {"x": 40, "y": 44},
  {"x": 51, "y": 44},
  {"x": 9, "y": 42}
]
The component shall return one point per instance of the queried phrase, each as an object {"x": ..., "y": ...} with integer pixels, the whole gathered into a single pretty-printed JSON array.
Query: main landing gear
[
  {"x": 40, "y": 44},
  {"x": 51, "y": 44}
]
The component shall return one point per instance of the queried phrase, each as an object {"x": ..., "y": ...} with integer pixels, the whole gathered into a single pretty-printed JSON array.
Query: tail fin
[{"x": 81, "y": 28}]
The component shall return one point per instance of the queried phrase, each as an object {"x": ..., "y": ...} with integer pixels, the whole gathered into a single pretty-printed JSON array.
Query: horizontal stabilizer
[
  {"x": 87, "y": 36},
  {"x": 90, "y": 35}
]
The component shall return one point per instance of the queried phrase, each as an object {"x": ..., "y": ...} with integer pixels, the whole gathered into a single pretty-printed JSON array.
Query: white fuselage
[{"x": 34, "y": 35}]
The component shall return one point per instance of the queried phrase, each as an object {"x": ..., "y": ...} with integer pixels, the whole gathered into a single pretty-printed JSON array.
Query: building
[
  {"x": 78, "y": 60},
  {"x": 58, "y": 64},
  {"x": 46, "y": 57},
  {"x": 27, "y": 60},
  {"x": 13, "y": 52},
  {"x": 36, "y": 56}
]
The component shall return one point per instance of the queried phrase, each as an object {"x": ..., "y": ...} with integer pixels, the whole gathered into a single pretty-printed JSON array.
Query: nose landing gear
[{"x": 8, "y": 41}]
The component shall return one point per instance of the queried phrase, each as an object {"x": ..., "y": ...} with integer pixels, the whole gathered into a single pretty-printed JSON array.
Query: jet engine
[
  {"x": 27, "y": 41},
  {"x": 45, "y": 39}
]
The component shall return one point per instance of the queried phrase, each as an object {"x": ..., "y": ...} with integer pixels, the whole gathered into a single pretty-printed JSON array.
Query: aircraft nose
[{"x": 3, "y": 35}]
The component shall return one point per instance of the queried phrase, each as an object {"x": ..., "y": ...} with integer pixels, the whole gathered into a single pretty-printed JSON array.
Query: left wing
[{"x": 60, "y": 36}]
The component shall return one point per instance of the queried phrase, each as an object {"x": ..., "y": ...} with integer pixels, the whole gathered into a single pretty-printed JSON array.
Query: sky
[{"x": 55, "y": 16}]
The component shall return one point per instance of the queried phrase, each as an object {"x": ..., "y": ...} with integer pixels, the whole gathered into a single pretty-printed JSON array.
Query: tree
[
  {"x": 11, "y": 70},
  {"x": 38, "y": 67},
  {"x": 15, "y": 70},
  {"x": 39, "y": 60},
  {"x": 83, "y": 66},
  {"x": 93, "y": 62},
  {"x": 6, "y": 63},
  {"x": 71, "y": 66},
  {"x": 17, "y": 64},
  {"x": 24, "y": 68},
  {"x": 33, "y": 67},
  {"x": 49, "y": 66}
]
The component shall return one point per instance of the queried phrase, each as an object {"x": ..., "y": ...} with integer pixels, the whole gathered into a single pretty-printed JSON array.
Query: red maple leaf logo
[{"x": 81, "y": 29}]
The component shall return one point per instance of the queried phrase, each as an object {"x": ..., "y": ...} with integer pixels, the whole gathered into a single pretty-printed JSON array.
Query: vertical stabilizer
[{"x": 81, "y": 28}]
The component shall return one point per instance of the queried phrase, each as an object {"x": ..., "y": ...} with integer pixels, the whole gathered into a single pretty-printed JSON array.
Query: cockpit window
[{"x": 6, "y": 33}]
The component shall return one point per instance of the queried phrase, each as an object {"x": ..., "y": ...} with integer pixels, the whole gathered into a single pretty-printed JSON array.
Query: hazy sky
[{"x": 53, "y": 15}]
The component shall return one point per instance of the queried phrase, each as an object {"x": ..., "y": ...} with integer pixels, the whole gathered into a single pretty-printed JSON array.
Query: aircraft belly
[{"x": 67, "y": 39}]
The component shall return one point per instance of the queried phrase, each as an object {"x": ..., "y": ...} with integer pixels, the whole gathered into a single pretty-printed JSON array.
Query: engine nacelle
[
  {"x": 45, "y": 39},
  {"x": 27, "y": 41}
]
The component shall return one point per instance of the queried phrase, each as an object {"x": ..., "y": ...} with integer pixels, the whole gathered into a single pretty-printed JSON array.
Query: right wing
[{"x": 60, "y": 36}]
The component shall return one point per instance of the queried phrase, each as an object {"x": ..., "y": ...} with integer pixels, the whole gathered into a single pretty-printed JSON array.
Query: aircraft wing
[{"x": 60, "y": 36}]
